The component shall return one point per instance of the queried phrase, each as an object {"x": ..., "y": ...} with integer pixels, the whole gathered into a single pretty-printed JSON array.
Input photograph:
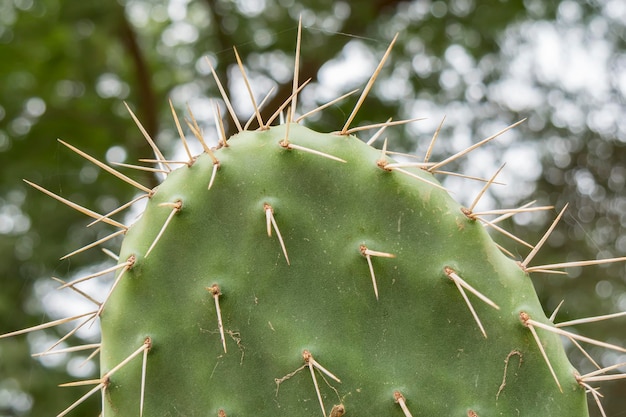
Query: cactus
[{"x": 294, "y": 273}]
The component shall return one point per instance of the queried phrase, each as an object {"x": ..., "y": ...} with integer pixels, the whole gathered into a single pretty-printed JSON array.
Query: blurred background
[{"x": 67, "y": 67}]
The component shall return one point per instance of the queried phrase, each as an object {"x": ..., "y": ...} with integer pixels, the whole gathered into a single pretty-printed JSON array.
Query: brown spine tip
[
  {"x": 214, "y": 290},
  {"x": 337, "y": 411},
  {"x": 468, "y": 213},
  {"x": 524, "y": 317},
  {"x": 400, "y": 400},
  {"x": 382, "y": 164},
  {"x": 397, "y": 395}
]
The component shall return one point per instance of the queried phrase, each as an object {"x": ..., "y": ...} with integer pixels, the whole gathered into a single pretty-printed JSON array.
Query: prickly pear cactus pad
[
  {"x": 288, "y": 272},
  {"x": 365, "y": 273}
]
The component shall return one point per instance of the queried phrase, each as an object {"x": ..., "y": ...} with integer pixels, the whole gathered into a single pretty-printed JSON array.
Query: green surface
[{"x": 418, "y": 338}]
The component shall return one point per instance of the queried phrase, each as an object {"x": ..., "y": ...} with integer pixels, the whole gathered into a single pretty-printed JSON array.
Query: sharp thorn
[
  {"x": 325, "y": 371},
  {"x": 140, "y": 168},
  {"x": 556, "y": 311},
  {"x": 393, "y": 165},
  {"x": 368, "y": 253},
  {"x": 379, "y": 125},
  {"x": 602, "y": 371},
  {"x": 431, "y": 146},
  {"x": 484, "y": 190},
  {"x": 80, "y": 383},
  {"x": 157, "y": 152},
  {"x": 531, "y": 255},
  {"x": 312, "y": 363},
  {"x": 323, "y": 106},
  {"x": 271, "y": 223},
  {"x": 110, "y": 254},
  {"x": 565, "y": 333},
  {"x": 128, "y": 265},
  {"x": 78, "y": 291},
  {"x": 590, "y": 319},
  {"x": 119, "y": 209},
  {"x": 471, "y": 148},
  {"x": 455, "y": 277},
  {"x": 456, "y": 174},
  {"x": 71, "y": 332},
  {"x": 397, "y": 395},
  {"x": 551, "y": 267},
  {"x": 296, "y": 73},
  {"x": 197, "y": 132},
  {"x": 67, "y": 350},
  {"x": 505, "y": 251},
  {"x": 261, "y": 104},
  {"x": 596, "y": 396},
  {"x": 368, "y": 86},
  {"x": 76, "y": 403},
  {"x": 215, "y": 293},
  {"x": 508, "y": 215},
  {"x": 504, "y": 232},
  {"x": 46, "y": 325},
  {"x": 94, "y": 275},
  {"x": 219, "y": 126},
  {"x": 144, "y": 368},
  {"x": 584, "y": 352},
  {"x": 285, "y": 142},
  {"x": 93, "y": 244},
  {"x": 379, "y": 132},
  {"x": 278, "y": 111},
  {"x": 145, "y": 346},
  {"x": 107, "y": 168},
  {"x": 317, "y": 389},
  {"x": 225, "y": 97},
  {"x": 417, "y": 177},
  {"x": 248, "y": 87},
  {"x": 461, "y": 285},
  {"x": 512, "y": 211},
  {"x": 216, "y": 166},
  {"x": 311, "y": 151},
  {"x": 159, "y": 161},
  {"x": 176, "y": 207},
  {"x": 181, "y": 134},
  {"x": 530, "y": 324},
  {"x": 77, "y": 207}
]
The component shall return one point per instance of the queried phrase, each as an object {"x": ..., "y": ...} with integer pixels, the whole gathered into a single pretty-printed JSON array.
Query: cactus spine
[{"x": 290, "y": 272}]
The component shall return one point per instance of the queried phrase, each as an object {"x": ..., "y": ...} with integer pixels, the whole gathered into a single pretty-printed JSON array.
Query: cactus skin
[{"x": 418, "y": 341}]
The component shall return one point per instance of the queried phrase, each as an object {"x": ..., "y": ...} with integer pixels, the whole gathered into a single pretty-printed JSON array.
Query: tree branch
[{"x": 147, "y": 110}]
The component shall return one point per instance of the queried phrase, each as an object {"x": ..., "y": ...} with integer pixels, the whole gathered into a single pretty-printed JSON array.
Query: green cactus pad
[{"x": 415, "y": 344}]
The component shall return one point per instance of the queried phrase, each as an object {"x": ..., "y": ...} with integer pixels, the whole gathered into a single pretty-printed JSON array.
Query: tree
[{"x": 68, "y": 67}]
